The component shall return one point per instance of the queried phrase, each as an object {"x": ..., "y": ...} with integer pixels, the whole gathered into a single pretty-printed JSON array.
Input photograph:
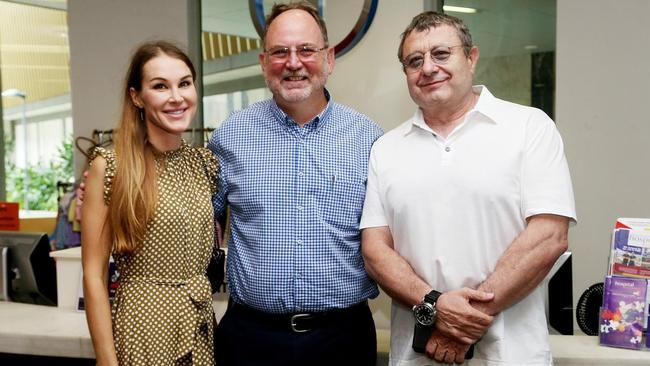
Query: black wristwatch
[
  {"x": 425, "y": 312},
  {"x": 425, "y": 317}
]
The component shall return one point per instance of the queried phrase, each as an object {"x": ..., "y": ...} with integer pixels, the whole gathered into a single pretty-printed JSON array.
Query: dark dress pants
[{"x": 242, "y": 340}]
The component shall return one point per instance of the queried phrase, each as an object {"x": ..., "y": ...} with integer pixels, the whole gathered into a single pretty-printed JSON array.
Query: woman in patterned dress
[{"x": 148, "y": 203}]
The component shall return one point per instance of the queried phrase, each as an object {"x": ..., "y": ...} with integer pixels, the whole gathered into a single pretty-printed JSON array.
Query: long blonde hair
[{"x": 134, "y": 192}]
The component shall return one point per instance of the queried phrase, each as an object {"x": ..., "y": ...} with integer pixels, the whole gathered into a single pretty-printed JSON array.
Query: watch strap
[
  {"x": 421, "y": 335},
  {"x": 432, "y": 297}
]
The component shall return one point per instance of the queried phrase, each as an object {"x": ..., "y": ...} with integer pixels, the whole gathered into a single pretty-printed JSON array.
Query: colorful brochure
[{"x": 623, "y": 313}]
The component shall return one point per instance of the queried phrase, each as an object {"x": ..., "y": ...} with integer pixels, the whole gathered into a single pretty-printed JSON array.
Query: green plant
[{"x": 42, "y": 190}]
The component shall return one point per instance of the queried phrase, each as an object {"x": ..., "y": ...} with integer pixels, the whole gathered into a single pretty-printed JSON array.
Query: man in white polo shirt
[{"x": 468, "y": 206}]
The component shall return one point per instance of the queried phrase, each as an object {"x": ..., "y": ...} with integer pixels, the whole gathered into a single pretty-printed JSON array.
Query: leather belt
[{"x": 299, "y": 322}]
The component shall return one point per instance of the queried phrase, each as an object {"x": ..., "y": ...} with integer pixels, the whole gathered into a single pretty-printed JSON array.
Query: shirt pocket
[{"x": 342, "y": 203}]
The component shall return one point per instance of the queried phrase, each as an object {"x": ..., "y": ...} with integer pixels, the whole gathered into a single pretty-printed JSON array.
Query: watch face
[{"x": 424, "y": 314}]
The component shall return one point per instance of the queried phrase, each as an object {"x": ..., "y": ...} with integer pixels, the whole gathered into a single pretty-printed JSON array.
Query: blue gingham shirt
[{"x": 296, "y": 197}]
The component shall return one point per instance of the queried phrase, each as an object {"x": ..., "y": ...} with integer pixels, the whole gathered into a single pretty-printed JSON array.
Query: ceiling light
[
  {"x": 531, "y": 47},
  {"x": 458, "y": 9}
]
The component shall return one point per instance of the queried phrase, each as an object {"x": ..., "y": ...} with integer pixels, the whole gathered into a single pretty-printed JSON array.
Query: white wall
[
  {"x": 601, "y": 111},
  {"x": 102, "y": 35},
  {"x": 369, "y": 78}
]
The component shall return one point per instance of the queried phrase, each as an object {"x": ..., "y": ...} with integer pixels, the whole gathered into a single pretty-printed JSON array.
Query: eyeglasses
[
  {"x": 305, "y": 53},
  {"x": 439, "y": 55}
]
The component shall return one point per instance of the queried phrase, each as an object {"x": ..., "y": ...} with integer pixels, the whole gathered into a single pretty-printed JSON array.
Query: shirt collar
[
  {"x": 318, "y": 121},
  {"x": 485, "y": 106},
  {"x": 417, "y": 121}
]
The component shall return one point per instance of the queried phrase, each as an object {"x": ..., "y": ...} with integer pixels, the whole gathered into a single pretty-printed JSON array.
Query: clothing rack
[
  {"x": 63, "y": 188},
  {"x": 98, "y": 135},
  {"x": 104, "y": 138}
]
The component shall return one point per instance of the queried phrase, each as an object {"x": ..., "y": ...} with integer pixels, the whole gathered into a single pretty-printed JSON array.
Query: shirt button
[
  {"x": 447, "y": 149},
  {"x": 300, "y": 173},
  {"x": 299, "y": 241},
  {"x": 299, "y": 208}
]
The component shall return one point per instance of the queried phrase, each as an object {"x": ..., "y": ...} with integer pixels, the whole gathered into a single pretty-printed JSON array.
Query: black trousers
[{"x": 244, "y": 339}]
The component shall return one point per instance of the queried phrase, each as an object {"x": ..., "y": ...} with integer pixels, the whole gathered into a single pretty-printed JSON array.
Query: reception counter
[
  {"x": 585, "y": 351},
  {"x": 44, "y": 331},
  {"x": 51, "y": 331}
]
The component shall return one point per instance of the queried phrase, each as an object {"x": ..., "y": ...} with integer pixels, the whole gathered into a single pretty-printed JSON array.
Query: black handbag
[{"x": 216, "y": 269}]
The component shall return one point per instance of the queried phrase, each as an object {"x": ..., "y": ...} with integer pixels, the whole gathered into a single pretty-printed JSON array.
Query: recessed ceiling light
[
  {"x": 458, "y": 9},
  {"x": 531, "y": 47}
]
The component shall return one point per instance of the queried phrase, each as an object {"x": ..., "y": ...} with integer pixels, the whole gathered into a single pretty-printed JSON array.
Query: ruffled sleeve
[
  {"x": 211, "y": 168},
  {"x": 109, "y": 174}
]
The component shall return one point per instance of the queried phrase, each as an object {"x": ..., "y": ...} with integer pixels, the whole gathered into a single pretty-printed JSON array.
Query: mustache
[
  {"x": 287, "y": 74},
  {"x": 425, "y": 80}
]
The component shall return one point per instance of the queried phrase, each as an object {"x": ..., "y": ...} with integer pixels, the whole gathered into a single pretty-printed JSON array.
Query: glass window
[
  {"x": 36, "y": 111},
  {"x": 517, "y": 43},
  {"x": 232, "y": 78}
]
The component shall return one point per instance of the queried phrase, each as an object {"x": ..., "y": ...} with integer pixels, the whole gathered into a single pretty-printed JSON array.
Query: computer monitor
[
  {"x": 558, "y": 296},
  {"x": 27, "y": 272}
]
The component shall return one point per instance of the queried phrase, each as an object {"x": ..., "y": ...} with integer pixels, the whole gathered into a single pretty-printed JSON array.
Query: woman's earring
[{"x": 141, "y": 114}]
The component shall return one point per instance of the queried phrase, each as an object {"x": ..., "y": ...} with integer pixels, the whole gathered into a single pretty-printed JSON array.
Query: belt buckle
[{"x": 293, "y": 323}]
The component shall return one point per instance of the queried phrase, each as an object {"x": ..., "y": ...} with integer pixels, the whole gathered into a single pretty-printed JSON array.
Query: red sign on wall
[{"x": 9, "y": 216}]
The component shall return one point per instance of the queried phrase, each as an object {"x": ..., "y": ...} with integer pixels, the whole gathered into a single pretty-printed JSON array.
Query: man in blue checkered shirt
[{"x": 293, "y": 171}]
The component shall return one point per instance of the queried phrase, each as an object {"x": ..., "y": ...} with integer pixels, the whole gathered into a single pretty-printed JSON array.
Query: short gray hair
[
  {"x": 431, "y": 19},
  {"x": 297, "y": 5}
]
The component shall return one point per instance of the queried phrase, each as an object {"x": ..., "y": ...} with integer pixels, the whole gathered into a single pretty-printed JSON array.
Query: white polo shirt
[{"x": 455, "y": 205}]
